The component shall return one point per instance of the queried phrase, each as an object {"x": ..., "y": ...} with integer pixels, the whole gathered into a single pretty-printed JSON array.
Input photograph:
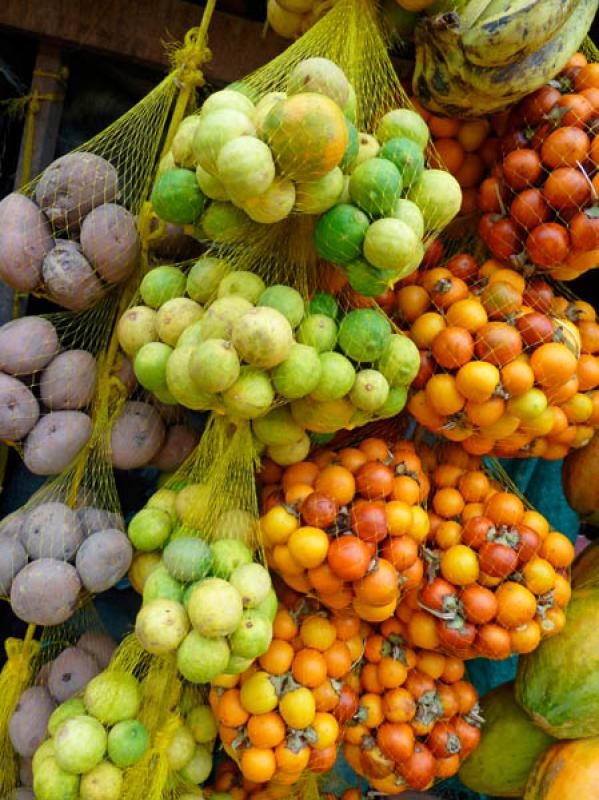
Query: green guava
[
  {"x": 273, "y": 205},
  {"x": 252, "y": 582},
  {"x": 352, "y": 149},
  {"x": 222, "y": 223},
  {"x": 227, "y": 99},
  {"x": 191, "y": 336},
  {"x": 253, "y": 636},
  {"x": 181, "y": 748},
  {"x": 263, "y": 337},
  {"x": 187, "y": 558},
  {"x": 395, "y": 402},
  {"x": 264, "y": 107},
  {"x": 286, "y": 300},
  {"x": 286, "y": 454},
  {"x": 177, "y": 198},
  {"x": 336, "y": 378},
  {"x": 211, "y": 185},
  {"x": 227, "y": 555},
  {"x": 181, "y": 385},
  {"x": 127, "y": 743},
  {"x": 51, "y": 782},
  {"x": 400, "y": 362},
  {"x": 112, "y": 696},
  {"x": 205, "y": 276},
  {"x": 403, "y": 123},
  {"x": 408, "y": 212},
  {"x": 166, "y": 163},
  {"x": 202, "y": 724},
  {"x": 215, "y": 607},
  {"x": 149, "y": 365},
  {"x": 439, "y": 196},
  {"x": 160, "y": 626},
  {"x": 160, "y": 585},
  {"x": 218, "y": 321},
  {"x": 322, "y": 417},
  {"x": 149, "y": 529},
  {"x": 200, "y": 659},
  {"x": 161, "y": 284},
  {"x": 181, "y": 147},
  {"x": 136, "y": 327},
  {"x": 299, "y": 373},
  {"x": 277, "y": 427},
  {"x": 370, "y": 390},
  {"x": 318, "y": 331},
  {"x": 237, "y": 664},
  {"x": 241, "y": 283},
  {"x": 316, "y": 197},
  {"x": 269, "y": 605},
  {"x": 164, "y": 499},
  {"x": 176, "y": 315},
  {"x": 246, "y": 168},
  {"x": 79, "y": 744},
  {"x": 374, "y": 186},
  {"x": 324, "y": 303},
  {"x": 199, "y": 767},
  {"x": 368, "y": 148},
  {"x": 235, "y": 524},
  {"x": 339, "y": 233},
  {"x": 350, "y": 109},
  {"x": 364, "y": 335},
  {"x": 368, "y": 280},
  {"x": 103, "y": 782},
  {"x": 322, "y": 76},
  {"x": 407, "y": 157},
  {"x": 251, "y": 395},
  {"x": 218, "y": 128},
  {"x": 44, "y": 751},
  {"x": 74, "y": 707},
  {"x": 391, "y": 244}
]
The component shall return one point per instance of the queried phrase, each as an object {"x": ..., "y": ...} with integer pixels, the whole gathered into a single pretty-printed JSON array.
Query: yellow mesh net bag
[{"x": 40, "y": 674}]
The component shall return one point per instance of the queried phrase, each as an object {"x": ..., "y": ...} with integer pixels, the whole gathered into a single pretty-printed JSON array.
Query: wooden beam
[{"x": 135, "y": 30}]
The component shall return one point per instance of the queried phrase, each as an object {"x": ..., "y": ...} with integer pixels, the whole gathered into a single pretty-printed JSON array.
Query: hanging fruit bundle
[
  {"x": 496, "y": 576},
  {"x": 541, "y": 205},
  {"x": 508, "y": 366},
  {"x": 417, "y": 720},
  {"x": 346, "y": 526},
  {"x": 286, "y": 714}
]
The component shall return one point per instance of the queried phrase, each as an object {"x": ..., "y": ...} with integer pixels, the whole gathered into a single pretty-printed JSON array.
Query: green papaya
[
  {"x": 509, "y": 746},
  {"x": 558, "y": 683},
  {"x": 585, "y": 569}
]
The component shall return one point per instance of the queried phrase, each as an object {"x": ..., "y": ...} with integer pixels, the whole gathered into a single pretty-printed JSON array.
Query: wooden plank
[{"x": 136, "y": 30}]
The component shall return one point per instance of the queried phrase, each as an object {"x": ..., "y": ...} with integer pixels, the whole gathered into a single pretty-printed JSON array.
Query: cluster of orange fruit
[{"x": 508, "y": 367}]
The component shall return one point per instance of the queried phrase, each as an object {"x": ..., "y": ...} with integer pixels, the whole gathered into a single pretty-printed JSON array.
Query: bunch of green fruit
[
  {"x": 261, "y": 354},
  {"x": 391, "y": 204},
  {"x": 261, "y": 161},
  {"x": 211, "y": 604}
]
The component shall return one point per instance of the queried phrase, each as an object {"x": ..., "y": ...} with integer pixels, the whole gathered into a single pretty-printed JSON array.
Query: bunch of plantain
[{"x": 488, "y": 54}]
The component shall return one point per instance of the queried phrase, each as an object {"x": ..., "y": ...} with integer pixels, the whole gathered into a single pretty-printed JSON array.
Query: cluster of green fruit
[
  {"x": 211, "y": 604},
  {"x": 254, "y": 348},
  {"x": 94, "y": 738},
  {"x": 286, "y": 152},
  {"x": 392, "y": 204}
]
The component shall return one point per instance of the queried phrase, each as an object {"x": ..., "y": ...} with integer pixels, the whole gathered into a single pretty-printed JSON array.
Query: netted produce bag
[
  {"x": 417, "y": 718},
  {"x": 212, "y": 337},
  {"x": 41, "y": 674},
  {"x": 496, "y": 576},
  {"x": 324, "y": 129},
  {"x": 508, "y": 363},
  {"x": 541, "y": 201},
  {"x": 347, "y": 525},
  {"x": 287, "y": 716},
  {"x": 126, "y": 733},
  {"x": 208, "y": 602}
]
